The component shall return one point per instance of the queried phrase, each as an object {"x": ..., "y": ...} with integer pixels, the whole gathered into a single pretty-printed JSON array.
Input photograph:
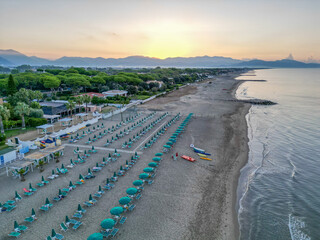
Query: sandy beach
[{"x": 186, "y": 201}]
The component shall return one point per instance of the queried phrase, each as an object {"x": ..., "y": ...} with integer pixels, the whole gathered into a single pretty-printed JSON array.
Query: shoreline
[{"x": 243, "y": 162}]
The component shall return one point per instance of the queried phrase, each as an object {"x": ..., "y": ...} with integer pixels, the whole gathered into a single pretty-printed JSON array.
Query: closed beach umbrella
[
  {"x": 47, "y": 201},
  {"x": 116, "y": 210},
  {"x": 79, "y": 207},
  {"x": 158, "y": 154},
  {"x": 71, "y": 184},
  {"x": 131, "y": 191},
  {"x": 137, "y": 183},
  {"x": 95, "y": 236},
  {"x": 90, "y": 197},
  {"x": 16, "y": 225},
  {"x": 152, "y": 164},
  {"x": 60, "y": 193},
  {"x": 62, "y": 166},
  {"x": 148, "y": 169},
  {"x": 143, "y": 175},
  {"x": 124, "y": 200},
  {"x": 89, "y": 170},
  {"x": 33, "y": 213},
  {"x": 107, "y": 223},
  {"x": 67, "y": 219},
  {"x": 80, "y": 177}
]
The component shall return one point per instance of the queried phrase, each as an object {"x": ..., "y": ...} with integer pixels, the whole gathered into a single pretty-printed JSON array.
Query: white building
[{"x": 113, "y": 93}]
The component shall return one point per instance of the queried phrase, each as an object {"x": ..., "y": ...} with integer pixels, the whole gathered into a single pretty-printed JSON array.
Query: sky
[{"x": 241, "y": 29}]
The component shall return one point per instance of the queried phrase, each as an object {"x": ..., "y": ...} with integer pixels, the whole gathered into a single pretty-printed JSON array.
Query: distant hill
[
  {"x": 285, "y": 63},
  {"x": 13, "y": 58}
]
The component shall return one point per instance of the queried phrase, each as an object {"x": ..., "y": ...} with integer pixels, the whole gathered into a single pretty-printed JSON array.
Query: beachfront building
[
  {"x": 7, "y": 155},
  {"x": 93, "y": 94},
  {"x": 57, "y": 108},
  {"x": 113, "y": 93}
]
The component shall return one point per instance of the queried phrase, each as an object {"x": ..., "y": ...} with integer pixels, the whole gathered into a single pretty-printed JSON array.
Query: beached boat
[
  {"x": 201, "y": 155},
  {"x": 204, "y": 158},
  {"x": 190, "y": 159}
]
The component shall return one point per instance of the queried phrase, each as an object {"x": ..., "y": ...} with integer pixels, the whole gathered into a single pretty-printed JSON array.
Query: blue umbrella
[
  {"x": 116, "y": 210},
  {"x": 132, "y": 191},
  {"x": 158, "y": 154},
  {"x": 157, "y": 159},
  {"x": 124, "y": 200},
  {"x": 107, "y": 223},
  {"x": 152, "y": 164},
  {"x": 137, "y": 183},
  {"x": 143, "y": 175},
  {"x": 148, "y": 169},
  {"x": 95, "y": 236}
]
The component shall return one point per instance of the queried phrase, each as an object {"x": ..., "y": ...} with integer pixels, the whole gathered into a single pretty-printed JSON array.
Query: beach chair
[
  {"x": 27, "y": 192},
  {"x": 29, "y": 219},
  {"x": 122, "y": 220},
  {"x": 19, "y": 228},
  {"x": 131, "y": 207},
  {"x": 14, "y": 234},
  {"x": 57, "y": 236},
  {"x": 44, "y": 208},
  {"x": 88, "y": 204},
  {"x": 138, "y": 196},
  {"x": 114, "y": 232},
  {"x": 77, "y": 225},
  {"x": 97, "y": 195},
  {"x": 63, "y": 227},
  {"x": 77, "y": 215}
]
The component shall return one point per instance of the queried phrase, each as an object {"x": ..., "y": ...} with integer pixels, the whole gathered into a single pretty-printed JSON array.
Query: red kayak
[{"x": 190, "y": 159}]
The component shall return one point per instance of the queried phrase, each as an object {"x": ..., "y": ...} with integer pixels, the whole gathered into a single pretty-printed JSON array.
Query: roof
[
  {"x": 36, "y": 155},
  {"x": 6, "y": 150},
  {"x": 51, "y": 116},
  {"x": 93, "y": 94},
  {"x": 51, "y": 104},
  {"x": 115, "y": 92},
  {"x": 45, "y": 126},
  {"x": 65, "y": 120}
]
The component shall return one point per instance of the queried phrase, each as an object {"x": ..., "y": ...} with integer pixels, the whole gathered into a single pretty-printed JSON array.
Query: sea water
[{"x": 279, "y": 188}]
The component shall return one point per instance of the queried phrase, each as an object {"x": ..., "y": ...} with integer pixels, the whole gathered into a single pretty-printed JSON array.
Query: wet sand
[{"x": 186, "y": 201}]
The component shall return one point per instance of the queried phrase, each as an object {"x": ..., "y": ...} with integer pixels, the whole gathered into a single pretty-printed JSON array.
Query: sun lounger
[
  {"x": 138, "y": 196},
  {"x": 58, "y": 236},
  {"x": 122, "y": 220},
  {"x": 131, "y": 207},
  {"x": 77, "y": 215},
  {"x": 27, "y": 192},
  {"x": 10, "y": 202},
  {"x": 14, "y": 234},
  {"x": 40, "y": 184},
  {"x": 97, "y": 195},
  {"x": 77, "y": 225},
  {"x": 10, "y": 208},
  {"x": 57, "y": 199},
  {"x": 88, "y": 204},
  {"x": 44, "y": 208},
  {"x": 114, "y": 232},
  {"x": 29, "y": 219},
  {"x": 63, "y": 227}
]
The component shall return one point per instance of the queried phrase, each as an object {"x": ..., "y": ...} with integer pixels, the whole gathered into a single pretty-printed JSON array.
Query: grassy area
[
  {"x": 107, "y": 109},
  {"x": 15, "y": 132},
  {"x": 3, "y": 147},
  {"x": 141, "y": 97}
]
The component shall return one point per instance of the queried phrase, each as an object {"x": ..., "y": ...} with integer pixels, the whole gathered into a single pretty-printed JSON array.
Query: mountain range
[{"x": 12, "y": 58}]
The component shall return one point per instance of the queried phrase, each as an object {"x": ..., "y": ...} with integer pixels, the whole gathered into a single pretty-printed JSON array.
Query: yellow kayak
[
  {"x": 204, "y": 158},
  {"x": 201, "y": 155}
]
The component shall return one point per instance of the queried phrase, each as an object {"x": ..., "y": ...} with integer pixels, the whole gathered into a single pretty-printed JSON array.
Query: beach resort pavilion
[
  {"x": 82, "y": 116},
  {"x": 51, "y": 118},
  {"x": 17, "y": 165},
  {"x": 44, "y": 128},
  {"x": 45, "y": 154},
  {"x": 65, "y": 122}
]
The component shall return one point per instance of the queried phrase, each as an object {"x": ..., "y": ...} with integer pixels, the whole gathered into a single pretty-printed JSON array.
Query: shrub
[
  {"x": 35, "y": 105},
  {"x": 3, "y": 137},
  {"x": 36, "y": 113},
  {"x": 34, "y": 122},
  {"x": 12, "y": 124}
]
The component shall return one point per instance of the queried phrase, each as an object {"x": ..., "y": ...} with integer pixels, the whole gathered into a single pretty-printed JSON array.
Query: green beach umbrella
[
  {"x": 67, "y": 219},
  {"x": 97, "y": 165},
  {"x": 114, "y": 174},
  {"x": 89, "y": 170},
  {"x": 47, "y": 201},
  {"x": 95, "y": 236},
  {"x": 30, "y": 186},
  {"x": 158, "y": 154},
  {"x": 107, "y": 223},
  {"x": 152, "y": 164},
  {"x": 137, "y": 183},
  {"x": 53, "y": 172},
  {"x": 71, "y": 162},
  {"x": 109, "y": 155},
  {"x": 90, "y": 197},
  {"x": 148, "y": 169},
  {"x": 62, "y": 166},
  {"x": 166, "y": 146},
  {"x": 131, "y": 191},
  {"x": 100, "y": 189},
  {"x": 60, "y": 193},
  {"x": 121, "y": 169},
  {"x": 42, "y": 179},
  {"x": 107, "y": 181},
  {"x": 53, "y": 233},
  {"x": 116, "y": 210},
  {"x": 33, "y": 213},
  {"x": 92, "y": 147},
  {"x": 16, "y": 225},
  {"x": 79, "y": 207},
  {"x": 157, "y": 159},
  {"x": 71, "y": 184},
  {"x": 81, "y": 177},
  {"x": 124, "y": 200},
  {"x": 169, "y": 143},
  {"x": 143, "y": 175}
]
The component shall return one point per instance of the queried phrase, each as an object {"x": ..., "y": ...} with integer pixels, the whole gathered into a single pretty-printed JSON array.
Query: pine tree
[{"x": 12, "y": 88}]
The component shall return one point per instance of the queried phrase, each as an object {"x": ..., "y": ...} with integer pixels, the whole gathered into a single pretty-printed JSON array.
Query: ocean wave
[{"x": 296, "y": 226}]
